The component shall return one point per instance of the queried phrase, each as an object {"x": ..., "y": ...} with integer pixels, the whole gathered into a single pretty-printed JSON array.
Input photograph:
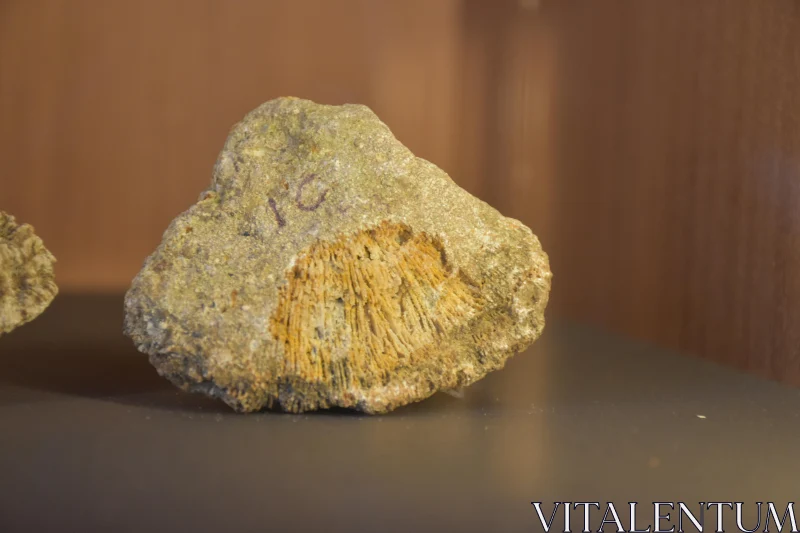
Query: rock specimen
[
  {"x": 27, "y": 282},
  {"x": 328, "y": 266}
]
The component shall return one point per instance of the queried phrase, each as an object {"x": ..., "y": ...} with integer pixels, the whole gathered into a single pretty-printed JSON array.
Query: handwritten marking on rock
[
  {"x": 299, "y": 198},
  {"x": 278, "y": 218}
]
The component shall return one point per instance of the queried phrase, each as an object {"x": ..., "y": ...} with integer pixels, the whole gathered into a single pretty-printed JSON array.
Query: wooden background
[{"x": 654, "y": 146}]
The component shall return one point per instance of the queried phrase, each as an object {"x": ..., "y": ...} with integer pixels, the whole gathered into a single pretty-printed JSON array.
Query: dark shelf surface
[{"x": 93, "y": 440}]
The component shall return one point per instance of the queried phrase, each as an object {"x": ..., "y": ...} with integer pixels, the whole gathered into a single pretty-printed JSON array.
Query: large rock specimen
[
  {"x": 328, "y": 266},
  {"x": 27, "y": 282}
]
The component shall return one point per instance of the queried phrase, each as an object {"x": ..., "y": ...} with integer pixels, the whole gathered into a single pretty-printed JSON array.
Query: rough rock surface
[
  {"x": 27, "y": 282},
  {"x": 328, "y": 266}
]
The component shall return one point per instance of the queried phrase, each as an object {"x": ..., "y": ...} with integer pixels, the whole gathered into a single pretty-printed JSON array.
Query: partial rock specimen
[
  {"x": 27, "y": 282},
  {"x": 328, "y": 266}
]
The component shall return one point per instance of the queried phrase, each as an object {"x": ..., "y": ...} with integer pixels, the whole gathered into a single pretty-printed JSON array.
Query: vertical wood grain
[
  {"x": 506, "y": 122},
  {"x": 654, "y": 146},
  {"x": 677, "y": 175},
  {"x": 413, "y": 74},
  {"x": 114, "y": 112}
]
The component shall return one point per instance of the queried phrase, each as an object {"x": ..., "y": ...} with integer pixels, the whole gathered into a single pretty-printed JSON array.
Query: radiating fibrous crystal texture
[
  {"x": 327, "y": 266},
  {"x": 27, "y": 281}
]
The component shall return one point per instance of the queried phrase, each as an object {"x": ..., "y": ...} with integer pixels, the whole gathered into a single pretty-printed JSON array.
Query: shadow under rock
[{"x": 76, "y": 348}]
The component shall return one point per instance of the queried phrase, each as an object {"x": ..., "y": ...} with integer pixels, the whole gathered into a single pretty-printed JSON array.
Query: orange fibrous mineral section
[{"x": 355, "y": 309}]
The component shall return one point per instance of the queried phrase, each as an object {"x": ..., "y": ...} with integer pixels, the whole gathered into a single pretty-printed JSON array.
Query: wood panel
[
  {"x": 654, "y": 146},
  {"x": 507, "y": 133},
  {"x": 678, "y": 175},
  {"x": 113, "y": 112}
]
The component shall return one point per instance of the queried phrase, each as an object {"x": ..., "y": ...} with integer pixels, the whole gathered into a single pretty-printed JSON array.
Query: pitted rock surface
[
  {"x": 27, "y": 281},
  {"x": 327, "y": 266}
]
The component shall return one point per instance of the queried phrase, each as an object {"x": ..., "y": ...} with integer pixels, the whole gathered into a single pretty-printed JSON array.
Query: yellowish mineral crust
[
  {"x": 27, "y": 282},
  {"x": 327, "y": 266}
]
